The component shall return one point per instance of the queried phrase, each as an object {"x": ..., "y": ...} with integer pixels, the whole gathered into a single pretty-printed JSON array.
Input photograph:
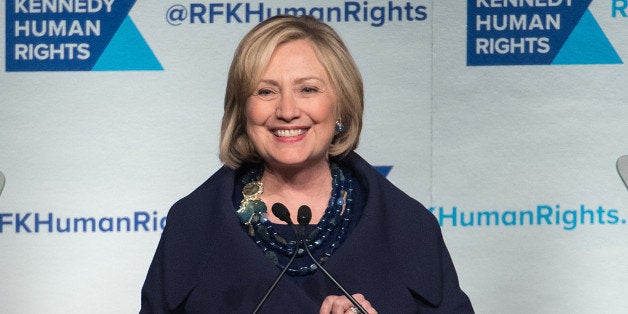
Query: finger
[
  {"x": 340, "y": 305},
  {"x": 359, "y": 297},
  {"x": 335, "y": 304},
  {"x": 327, "y": 304},
  {"x": 364, "y": 303},
  {"x": 351, "y": 310}
]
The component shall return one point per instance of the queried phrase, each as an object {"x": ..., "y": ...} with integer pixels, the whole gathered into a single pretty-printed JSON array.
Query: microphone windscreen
[
  {"x": 281, "y": 212},
  {"x": 622, "y": 168},
  {"x": 1, "y": 182},
  {"x": 304, "y": 215}
]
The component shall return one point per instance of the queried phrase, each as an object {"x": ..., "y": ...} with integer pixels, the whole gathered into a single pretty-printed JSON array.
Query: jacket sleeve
[
  {"x": 168, "y": 281},
  {"x": 153, "y": 292},
  {"x": 454, "y": 300},
  {"x": 182, "y": 254},
  {"x": 426, "y": 265},
  {"x": 417, "y": 244}
]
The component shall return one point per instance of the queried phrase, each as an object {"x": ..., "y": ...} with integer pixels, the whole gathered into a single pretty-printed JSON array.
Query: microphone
[
  {"x": 282, "y": 213},
  {"x": 304, "y": 216},
  {"x": 1, "y": 182},
  {"x": 622, "y": 168}
]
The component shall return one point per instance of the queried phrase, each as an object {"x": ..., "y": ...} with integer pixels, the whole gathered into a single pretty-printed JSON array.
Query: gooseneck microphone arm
[
  {"x": 281, "y": 212},
  {"x": 303, "y": 217}
]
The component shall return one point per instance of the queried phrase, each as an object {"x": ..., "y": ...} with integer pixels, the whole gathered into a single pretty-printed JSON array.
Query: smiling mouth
[{"x": 289, "y": 133}]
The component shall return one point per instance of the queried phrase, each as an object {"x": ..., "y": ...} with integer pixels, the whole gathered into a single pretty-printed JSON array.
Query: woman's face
[{"x": 290, "y": 117}]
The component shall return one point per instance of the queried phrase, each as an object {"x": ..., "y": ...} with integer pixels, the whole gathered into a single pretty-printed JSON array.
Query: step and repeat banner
[{"x": 506, "y": 118}]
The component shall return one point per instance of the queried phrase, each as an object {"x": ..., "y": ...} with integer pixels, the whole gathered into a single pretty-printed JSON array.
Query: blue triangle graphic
[
  {"x": 126, "y": 51},
  {"x": 384, "y": 170},
  {"x": 587, "y": 44}
]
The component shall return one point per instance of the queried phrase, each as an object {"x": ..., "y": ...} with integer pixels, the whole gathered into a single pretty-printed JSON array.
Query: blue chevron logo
[
  {"x": 74, "y": 35},
  {"x": 557, "y": 32}
]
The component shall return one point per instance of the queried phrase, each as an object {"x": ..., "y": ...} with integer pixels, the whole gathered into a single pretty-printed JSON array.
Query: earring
[{"x": 339, "y": 127}]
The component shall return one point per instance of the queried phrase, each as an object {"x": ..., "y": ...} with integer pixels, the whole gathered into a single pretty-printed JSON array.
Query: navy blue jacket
[{"x": 395, "y": 256}]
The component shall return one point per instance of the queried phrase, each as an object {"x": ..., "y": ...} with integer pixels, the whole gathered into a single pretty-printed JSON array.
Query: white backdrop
[{"x": 483, "y": 141}]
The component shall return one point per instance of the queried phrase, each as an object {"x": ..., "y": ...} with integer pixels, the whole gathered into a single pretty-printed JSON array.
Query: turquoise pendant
[{"x": 250, "y": 208}]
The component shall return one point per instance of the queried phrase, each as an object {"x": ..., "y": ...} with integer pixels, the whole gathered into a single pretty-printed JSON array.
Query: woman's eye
[
  {"x": 309, "y": 90},
  {"x": 266, "y": 93}
]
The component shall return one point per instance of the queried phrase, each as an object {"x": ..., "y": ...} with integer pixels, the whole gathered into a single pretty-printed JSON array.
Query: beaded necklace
[{"x": 325, "y": 238}]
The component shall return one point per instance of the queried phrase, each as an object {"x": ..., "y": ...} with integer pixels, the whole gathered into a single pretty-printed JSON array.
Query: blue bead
[
  {"x": 327, "y": 236},
  {"x": 263, "y": 233}
]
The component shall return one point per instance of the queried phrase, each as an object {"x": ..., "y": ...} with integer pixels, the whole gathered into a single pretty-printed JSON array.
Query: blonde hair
[{"x": 249, "y": 63}]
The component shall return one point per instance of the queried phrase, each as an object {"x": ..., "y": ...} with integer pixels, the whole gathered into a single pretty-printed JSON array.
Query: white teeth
[{"x": 288, "y": 133}]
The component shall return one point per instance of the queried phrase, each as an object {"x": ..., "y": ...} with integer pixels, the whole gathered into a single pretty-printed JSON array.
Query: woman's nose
[{"x": 287, "y": 107}]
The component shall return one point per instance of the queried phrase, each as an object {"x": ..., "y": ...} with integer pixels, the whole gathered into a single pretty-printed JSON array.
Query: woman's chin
[{"x": 295, "y": 161}]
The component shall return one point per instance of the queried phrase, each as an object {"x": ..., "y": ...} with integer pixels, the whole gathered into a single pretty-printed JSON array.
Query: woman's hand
[{"x": 339, "y": 304}]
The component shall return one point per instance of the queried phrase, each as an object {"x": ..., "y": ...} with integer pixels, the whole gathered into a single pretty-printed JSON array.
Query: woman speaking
[{"x": 292, "y": 120}]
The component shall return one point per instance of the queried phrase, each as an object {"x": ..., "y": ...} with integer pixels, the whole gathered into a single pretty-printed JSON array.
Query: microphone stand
[
  {"x": 282, "y": 213},
  {"x": 272, "y": 287},
  {"x": 303, "y": 217}
]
